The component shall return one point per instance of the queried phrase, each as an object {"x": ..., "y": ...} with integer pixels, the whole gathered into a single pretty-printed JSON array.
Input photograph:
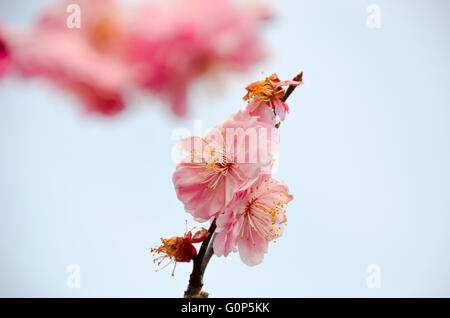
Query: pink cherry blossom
[
  {"x": 265, "y": 98},
  {"x": 254, "y": 217},
  {"x": 226, "y": 179},
  {"x": 81, "y": 61},
  {"x": 162, "y": 48},
  {"x": 219, "y": 164},
  {"x": 103, "y": 24},
  {"x": 178, "y": 43},
  {"x": 68, "y": 62}
]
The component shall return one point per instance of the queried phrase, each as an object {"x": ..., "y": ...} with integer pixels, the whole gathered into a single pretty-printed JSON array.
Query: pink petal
[{"x": 252, "y": 253}]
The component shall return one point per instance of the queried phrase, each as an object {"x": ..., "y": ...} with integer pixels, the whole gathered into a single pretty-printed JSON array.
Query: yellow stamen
[{"x": 265, "y": 90}]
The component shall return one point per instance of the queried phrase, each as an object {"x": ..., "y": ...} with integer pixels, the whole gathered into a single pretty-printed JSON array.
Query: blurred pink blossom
[
  {"x": 160, "y": 47},
  {"x": 178, "y": 43},
  {"x": 68, "y": 62}
]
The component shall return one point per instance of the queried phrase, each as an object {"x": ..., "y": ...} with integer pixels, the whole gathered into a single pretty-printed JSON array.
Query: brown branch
[
  {"x": 196, "y": 279},
  {"x": 290, "y": 89}
]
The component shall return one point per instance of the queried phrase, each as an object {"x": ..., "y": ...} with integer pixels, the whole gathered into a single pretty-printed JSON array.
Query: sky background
[{"x": 365, "y": 152}]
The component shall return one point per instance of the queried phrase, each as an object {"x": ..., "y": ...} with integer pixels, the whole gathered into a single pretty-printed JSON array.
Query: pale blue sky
[{"x": 365, "y": 152}]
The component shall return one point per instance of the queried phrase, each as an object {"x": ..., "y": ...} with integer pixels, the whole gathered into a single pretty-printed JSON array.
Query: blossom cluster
[
  {"x": 226, "y": 176},
  {"x": 157, "y": 47}
]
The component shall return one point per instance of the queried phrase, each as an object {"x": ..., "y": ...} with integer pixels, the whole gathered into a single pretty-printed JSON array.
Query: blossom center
[
  {"x": 263, "y": 219},
  {"x": 215, "y": 170},
  {"x": 266, "y": 90}
]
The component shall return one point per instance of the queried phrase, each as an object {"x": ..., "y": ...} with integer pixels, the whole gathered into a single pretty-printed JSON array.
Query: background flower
[
  {"x": 162, "y": 48},
  {"x": 99, "y": 81}
]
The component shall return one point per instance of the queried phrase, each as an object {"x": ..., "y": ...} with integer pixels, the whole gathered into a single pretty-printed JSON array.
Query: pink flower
[
  {"x": 85, "y": 61},
  {"x": 159, "y": 47},
  {"x": 178, "y": 43},
  {"x": 218, "y": 165},
  {"x": 71, "y": 64},
  {"x": 103, "y": 24},
  {"x": 170, "y": 44},
  {"x": 254, "y": 217},
  {"x": 265, "y": 98}
]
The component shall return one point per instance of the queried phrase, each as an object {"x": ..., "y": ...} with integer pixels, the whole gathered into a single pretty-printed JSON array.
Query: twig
[
  {"x": 290, "y": 89},
  {"x": 196, "y": 279}
]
